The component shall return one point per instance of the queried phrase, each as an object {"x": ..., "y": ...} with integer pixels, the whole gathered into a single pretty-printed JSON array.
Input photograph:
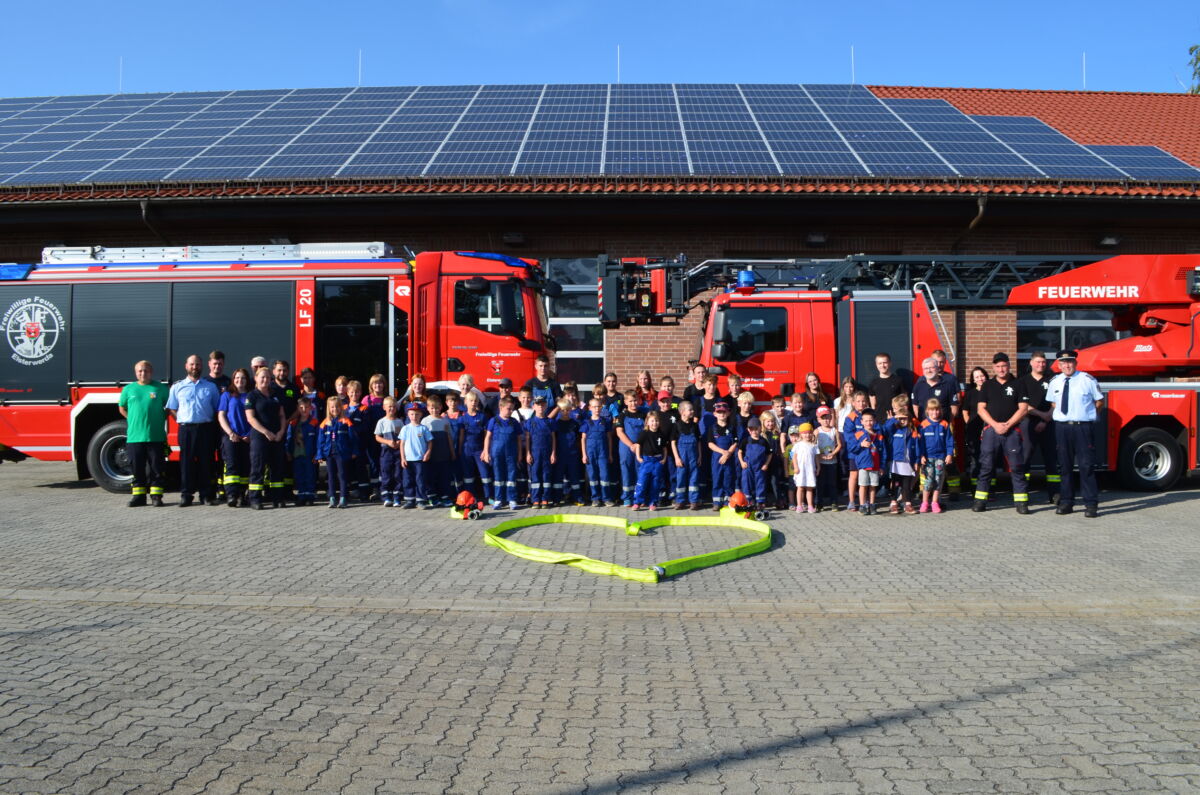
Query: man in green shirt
[{"x": 143, "y": 404}]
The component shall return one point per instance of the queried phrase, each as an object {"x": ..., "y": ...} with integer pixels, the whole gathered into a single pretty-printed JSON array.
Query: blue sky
[{"x": 73, "y": 47}]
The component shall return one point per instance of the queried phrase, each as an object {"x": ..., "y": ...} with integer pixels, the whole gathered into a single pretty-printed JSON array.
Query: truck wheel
[
  {"x": 1150, "y": 460},
  {"x": 107, "y": 460}
]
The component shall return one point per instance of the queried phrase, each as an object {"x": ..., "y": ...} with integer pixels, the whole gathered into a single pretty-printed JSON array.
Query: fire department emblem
[
  {"x": 497, "y": 366},
  {"x": 32, "y": 327}
]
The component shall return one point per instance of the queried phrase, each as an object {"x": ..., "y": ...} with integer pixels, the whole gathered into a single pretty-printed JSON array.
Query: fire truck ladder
[{"x": 76, "y": 255}]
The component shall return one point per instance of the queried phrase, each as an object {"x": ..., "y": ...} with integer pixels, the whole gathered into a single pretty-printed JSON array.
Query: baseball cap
[
  {"x": 664, "y": 394},
  {"x": 539, "y": 399},
  {"x": 720, "y": 405},
  {"x": 1067, "y": 355},
  {"x": 803, "y": 427},
  {"x": 413, "y": 407},
  {"x": 794, "y": 430},
  {"x": 754, "y": 424},
  {"x": 822, "y": 411},
  {"x": 506, "y": 382},
  {"x": 1000, "y": 357}
]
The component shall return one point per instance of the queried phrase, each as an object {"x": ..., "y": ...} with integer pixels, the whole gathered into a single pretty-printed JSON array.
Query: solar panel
[{"x": 813, "y": 130}]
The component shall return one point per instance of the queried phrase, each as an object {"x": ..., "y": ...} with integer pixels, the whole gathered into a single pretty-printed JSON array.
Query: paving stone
[{"x": 287, "y": 651}]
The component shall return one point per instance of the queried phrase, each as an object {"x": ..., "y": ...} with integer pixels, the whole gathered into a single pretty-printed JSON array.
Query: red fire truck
[
  {"x": 1147, "y": 429},
  {"x": 771, "y": 323},
  {"x": 75, "y": 324}
]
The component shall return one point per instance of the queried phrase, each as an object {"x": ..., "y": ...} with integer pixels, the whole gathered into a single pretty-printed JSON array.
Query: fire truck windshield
[{"x": 496, "y": 307}]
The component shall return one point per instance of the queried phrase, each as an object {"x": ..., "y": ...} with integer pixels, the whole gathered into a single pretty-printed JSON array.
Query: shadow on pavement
[{"x": 652, "y": 778}]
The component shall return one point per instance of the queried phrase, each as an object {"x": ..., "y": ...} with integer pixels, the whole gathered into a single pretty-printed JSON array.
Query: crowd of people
[{"x": 258, "y": 437}]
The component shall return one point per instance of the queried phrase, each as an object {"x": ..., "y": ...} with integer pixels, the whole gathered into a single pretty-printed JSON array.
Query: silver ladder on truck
[{"x": 78, "y": 255}]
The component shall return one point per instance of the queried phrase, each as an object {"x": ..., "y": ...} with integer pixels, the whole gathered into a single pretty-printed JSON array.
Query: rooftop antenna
[
  {"x": 852, "y": 80},
  {"x": 359, "y": 68},
  {"x": 618, "y": 63},
  {"x": 1085, "y": 71},
  {"x": 120, "y": 74}
]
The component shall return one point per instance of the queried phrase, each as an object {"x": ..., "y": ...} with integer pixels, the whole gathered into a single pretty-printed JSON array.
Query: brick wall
[{"x": 986, "y": 332}]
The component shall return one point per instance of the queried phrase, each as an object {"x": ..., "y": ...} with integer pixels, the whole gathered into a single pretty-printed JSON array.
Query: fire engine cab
[
  {"x": 75, "y": 323},
  {"x": 772, "y": 321}
]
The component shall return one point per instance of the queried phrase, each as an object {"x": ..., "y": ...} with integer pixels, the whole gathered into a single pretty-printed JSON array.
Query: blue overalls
[
  {"x": 506, "y": 435},
  {"x": 302, "y": 445},
  {"x": 456, "y": 466},
  {"x": 360, "y": 469},
  {"x": 541, "y": 471},
  {"x": 596, "y": 446},
  {"x": 336, "y": 446},
  {"x": 754, "y": 480},
  {"x": 568, "y": 472},
  {"x": 651, "y": 472},
  {"x": 724, "y": 476},
  {"x": 632, "y": 424},
  {"x": 477, "y": 473},
  {"x": 687, "y": 476},
  {"x": 391, "y": 471}
]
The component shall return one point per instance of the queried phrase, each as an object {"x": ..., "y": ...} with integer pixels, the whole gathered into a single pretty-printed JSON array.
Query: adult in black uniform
[
  {"x": 216, "y": 371},
  {"x": 1002, "y": 408},
  {"x": 1037, "y": 429},
  {"x": 973, "y": 428},
  {"x": 288, "y": 395},
  {"x": 887, "y": 386},
  {"x": 268, "y": 425}
]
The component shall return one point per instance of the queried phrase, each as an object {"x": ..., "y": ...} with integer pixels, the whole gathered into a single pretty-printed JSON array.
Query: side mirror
[
  {"x": 720, "y": 351},
  {"x": 718, "y": 369},
  {"x": 552, "y": 289},
  {"x": 477, "y": 285}
]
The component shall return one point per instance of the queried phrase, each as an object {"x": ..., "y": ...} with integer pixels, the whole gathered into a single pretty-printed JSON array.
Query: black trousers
[
  {"x": 146, "y": 458},
  {"x": 1076, "y": 446},
  {"x": 1045, "y": 441},
  {"x": 196, "y": 459},
  {"x": 266, "y": 459}
]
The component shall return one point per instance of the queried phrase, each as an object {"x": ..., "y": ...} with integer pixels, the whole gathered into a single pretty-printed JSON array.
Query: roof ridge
[{"x": 1084, "y": 92}]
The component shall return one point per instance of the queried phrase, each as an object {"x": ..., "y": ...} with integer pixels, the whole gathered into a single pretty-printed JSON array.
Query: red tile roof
[
  {"x": 1168, "y": 121},
  {"x": 592, "y": 186}
]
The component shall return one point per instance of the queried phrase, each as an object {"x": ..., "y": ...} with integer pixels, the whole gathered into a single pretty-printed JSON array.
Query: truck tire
[
  {"x": 107, "y": 461},
  {"x": 1150, "y": 460}
]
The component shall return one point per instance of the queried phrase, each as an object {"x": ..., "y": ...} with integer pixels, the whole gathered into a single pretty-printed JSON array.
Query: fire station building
[{"x": 973, "y": 190}]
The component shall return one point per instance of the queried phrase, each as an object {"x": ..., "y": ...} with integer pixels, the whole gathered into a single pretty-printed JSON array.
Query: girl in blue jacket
[
  {"x": 938, "y": 439},
  {"x": 337, "y": 446}
]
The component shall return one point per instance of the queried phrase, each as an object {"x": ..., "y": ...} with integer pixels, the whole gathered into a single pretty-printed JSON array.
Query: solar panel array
[{"x": 810, "y": 130}]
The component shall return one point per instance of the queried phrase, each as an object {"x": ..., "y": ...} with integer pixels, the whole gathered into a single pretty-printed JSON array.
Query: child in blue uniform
[
  {"x": 541, "y": 443},
  {"x": 597, "y": 452},
  {"x": 685, "y": 445},
  {"x": 721, "y": 439},
  {"x": 651, "y": 451},
  {"x": 754, "y": 457},
  {"x": 416, "y": 445},
  {"x": 387, "y": 435},
  {"x": 851, "y": 426},
  {"x": 302, "y": 449},
  {"x": 453, "y": 415},
  {"x": 477, "y": 472},
  {"x": 868, "y": 453},
  {"x": 502, "y": 448},
  {"x": 904, "y": 454},
  {"x": 937, "y": 455},
  {"x": 568, "y": 478},
  {"x": 361, "y": 472},
  {"x": 628, "y": 425},
  {"x": 337, "y": 446},
  {"x": 438, "y": 478}
]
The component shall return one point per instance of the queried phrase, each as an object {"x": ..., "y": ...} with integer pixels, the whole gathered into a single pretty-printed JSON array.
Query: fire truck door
[
  {"x": 354, "y": 331},
  {"x": 752, "y": 341}
]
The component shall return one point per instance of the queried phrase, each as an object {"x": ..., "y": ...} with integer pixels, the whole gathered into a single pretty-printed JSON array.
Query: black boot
[
  {"x": 137, "y": 501},
  {"x": 156, "y": 500}
]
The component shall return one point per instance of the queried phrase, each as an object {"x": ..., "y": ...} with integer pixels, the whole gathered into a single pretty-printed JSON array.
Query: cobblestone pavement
[{"x": 382, "y": 650}]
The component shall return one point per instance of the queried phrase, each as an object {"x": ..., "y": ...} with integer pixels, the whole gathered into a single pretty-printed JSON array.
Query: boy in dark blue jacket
[
  {"x": 868, "y": 454},
  {"x": 938, "y": 438},
  {"x": 302, "y": 450}
]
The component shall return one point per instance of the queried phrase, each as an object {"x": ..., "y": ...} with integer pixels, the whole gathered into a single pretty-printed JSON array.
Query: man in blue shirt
[
  {"x": 1075, "y": 397},
  {"x": 194, "y": 403}
]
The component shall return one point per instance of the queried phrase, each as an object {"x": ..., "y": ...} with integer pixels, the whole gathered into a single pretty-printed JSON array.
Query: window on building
[
  {"x": 1052, "y": 330},
  {"x": 574, "y": 321}
]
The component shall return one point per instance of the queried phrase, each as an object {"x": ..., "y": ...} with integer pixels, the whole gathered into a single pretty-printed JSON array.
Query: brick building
[{"x": 571, "y": 220}]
